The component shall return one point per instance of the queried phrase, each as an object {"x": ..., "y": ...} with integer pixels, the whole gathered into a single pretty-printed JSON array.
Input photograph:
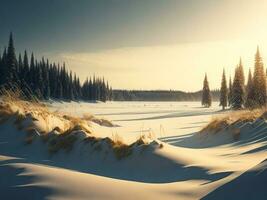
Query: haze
[{"x": 142, "y": 44}]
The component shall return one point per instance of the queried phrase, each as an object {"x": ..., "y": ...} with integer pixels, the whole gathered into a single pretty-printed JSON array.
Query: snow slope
[
  {"x": 187, "y": 166},
  {"x": 160, "y": 119}
]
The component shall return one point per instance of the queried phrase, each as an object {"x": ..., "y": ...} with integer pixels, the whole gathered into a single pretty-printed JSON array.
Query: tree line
[
  {"x": 46, "y": 80},
  {"x": 238, "y": 94},
  {"x": 160, "y": 95}
]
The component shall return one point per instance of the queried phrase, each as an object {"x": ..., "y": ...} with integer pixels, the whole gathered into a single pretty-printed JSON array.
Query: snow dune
[{"x": 187, "y": 166}]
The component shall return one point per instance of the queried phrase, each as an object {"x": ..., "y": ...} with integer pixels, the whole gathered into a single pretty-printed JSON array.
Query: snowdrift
[
  {"x": 245, "y": 128},
  {"x": 191, "y": 167}
]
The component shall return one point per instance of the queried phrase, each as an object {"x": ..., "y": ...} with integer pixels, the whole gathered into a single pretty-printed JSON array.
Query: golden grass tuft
[
  {"x": 100, "y": 121},
  {"x": 221, "y": 122},
  {"x": 60, "y": 138},
  {"x": 216, "y": 125},
  {"x": 119, "y": 148}
]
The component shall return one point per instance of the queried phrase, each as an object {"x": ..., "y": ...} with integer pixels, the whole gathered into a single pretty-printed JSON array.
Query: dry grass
[
  {"x": 63, "y": 141},
  {"x": 116, "y": 144},
  {"x": 222, "y": 122},
  {"x": 60, "y": 138},
  {"x": 101, "y": 122}
]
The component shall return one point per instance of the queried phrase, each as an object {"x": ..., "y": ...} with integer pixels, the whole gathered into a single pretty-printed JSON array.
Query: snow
[
  {"x": 188, "y": 166},
  {"x": 159, "y": 119}
]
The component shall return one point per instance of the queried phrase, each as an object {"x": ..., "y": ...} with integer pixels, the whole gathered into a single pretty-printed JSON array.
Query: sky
[{"x": 140, "y": 44}]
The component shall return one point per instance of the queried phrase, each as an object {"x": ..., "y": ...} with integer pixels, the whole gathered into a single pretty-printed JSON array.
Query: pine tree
[
  {"x": 1, "y": 69},
  {"x": 241, "y": 73},
  {"x": 48, "y": 80},
  {"x": 110, "y": 93},
  {"x": 237, "y": 90},
  {"x": 71, "y": 96},
  {"x": 26, "y": 69},
  {"x": 259, "y": 81},
  {"x": 31, "y": 78},
  {"x": 206, "y": 96},
  {"x": 250, "y": 92},
  {"x": 223, "y": 92},
  {"x": 4, "y": 69},
  {"x": 45, "y": 69},
  {"x": 230, "y": 92},
  {"x": 20, "y": 71},
  {"x": 59, "y": 87},
  {"x": 11, "y": 61}
]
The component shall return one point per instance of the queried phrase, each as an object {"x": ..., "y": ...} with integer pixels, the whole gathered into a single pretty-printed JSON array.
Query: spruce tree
[
  {"x": 206, "y": 96},
  {"x": 250, "y": 92},
  {"x": 71, "y": 95},
  {"x": 26, "y": 69},
  {"x": 1, "y": 69},
  {"x": 223, "y": 92},
  {"x": 11, "y": 61},
  {"x": 46, "y": 91},
  {"x": 4, "y": 69},
  {"x": 31, "y": 78},
  {"x": 20, "y": 71},
  {"x": 237, "y": 90},
  {"x": 241, "y": 73},
  {"x": 48, "y": 80},
  {"x": 259, "y": 81},
  {"x": 230, "y": 92}
]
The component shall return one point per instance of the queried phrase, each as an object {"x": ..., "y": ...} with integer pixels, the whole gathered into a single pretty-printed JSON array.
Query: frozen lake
[{"x": 159, "y": 119}]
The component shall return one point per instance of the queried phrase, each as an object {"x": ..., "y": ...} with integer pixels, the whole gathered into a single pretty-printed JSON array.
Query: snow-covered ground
[
  {"x": 160, "y": 119},
  {"x": 189, "y": 166}
]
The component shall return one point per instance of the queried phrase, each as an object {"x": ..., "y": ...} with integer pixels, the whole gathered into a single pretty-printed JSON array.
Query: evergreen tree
[
  {"x": 259, "y": 81},
  {"x": 223, "y": 92},
  {"x": 4, "y": 69},
  {"x": 26, "y": 69},
  {"x": 206, "y": 96},
  {"x": 230, "y": 92},
  {"x": 20, "y": 71},
  {"x": 46, "y": 80},
  {"x": 59, "y": 85},
  {"x": 46, "y": 94},
  {"x": 250, "y": 92},
  {"x": 39, "y": 89},
  {"x": 110, "y": 93},
  {"x": 71, "y": 96},
  {"x": 31, "y": 78},
  {"x": 237, "y": 90},
  {"x": 241, "y": 72},
  {"x": 11, "y": 61}
]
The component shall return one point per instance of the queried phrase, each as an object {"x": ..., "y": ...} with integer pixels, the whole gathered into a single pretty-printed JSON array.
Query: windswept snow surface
[
  {"x": 188, "y": 167},
  {"x": 160, "y": 119}
]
